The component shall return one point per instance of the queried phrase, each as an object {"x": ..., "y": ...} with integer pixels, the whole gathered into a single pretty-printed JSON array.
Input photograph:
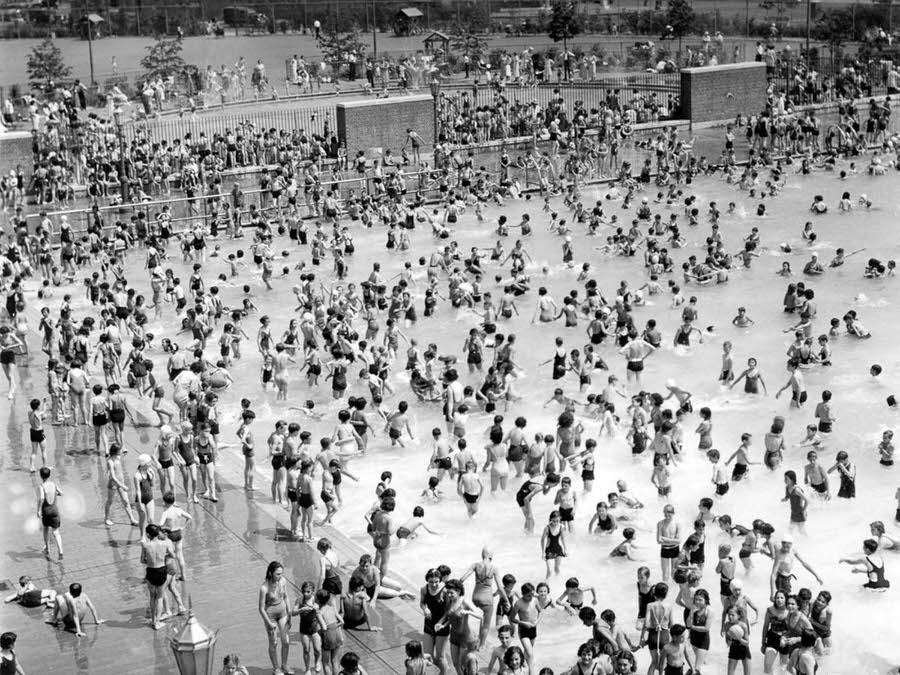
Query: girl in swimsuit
[
  {"x": 773, "y": 632},
  {"x": 456, "y": 617},
  {"x": 655, "y": 633},
  {"x": 753, "y": 379},
  {"x": 820, "y": 617},
  {"x": 553, "y": 543},
  {"x": 9, "y": 664},
  {"x": 333, "y": 635},
  {"x": 433, "y": 602},
  {"x": 328, "y": 576},
  {"x": 306, "y": 499},
  {"x": 803, "y": 660},
  {"x": 273, "y": 608},
  {"x": 143, "y": 491},
  {"x": 9, "y": 343},
  {"x": 186, "y": 458},
  {"x": 527, "y": 492},
  {"x": 486, "y": 577},
  {"x": 497, "y": 459},
  {"x": 311, "y": 624},
  {"x": 699, "y": 622},
  {"x": 116, "y": 484},
  {"x": 775, "y": 445}
]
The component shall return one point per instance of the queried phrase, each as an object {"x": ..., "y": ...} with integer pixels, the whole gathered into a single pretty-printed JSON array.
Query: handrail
[{"x": 345, "y": 185}]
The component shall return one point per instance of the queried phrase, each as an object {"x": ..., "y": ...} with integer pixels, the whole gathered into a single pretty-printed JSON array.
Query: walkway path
[{"x": 228, "y": 547}]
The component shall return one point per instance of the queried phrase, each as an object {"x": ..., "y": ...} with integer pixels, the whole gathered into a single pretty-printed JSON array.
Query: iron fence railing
[{"x": 317, "y": 119}]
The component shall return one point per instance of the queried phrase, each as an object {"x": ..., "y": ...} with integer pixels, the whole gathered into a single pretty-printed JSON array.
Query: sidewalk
[{"x": 227, "y": 547}]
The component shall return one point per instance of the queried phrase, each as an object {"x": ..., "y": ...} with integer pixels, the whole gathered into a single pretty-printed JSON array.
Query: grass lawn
[{"x": 275, "y": 49}]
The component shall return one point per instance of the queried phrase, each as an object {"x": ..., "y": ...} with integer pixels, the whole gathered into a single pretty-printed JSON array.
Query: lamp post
[
  {"x": 374, "y": 32},
  {"x": 90, "y": 47},
  {"x": 123, "y": 177},
  {"x": 436, "y": 96},
  {"x": 194, "y": 647},
  {"x": 808, "y": 21}
]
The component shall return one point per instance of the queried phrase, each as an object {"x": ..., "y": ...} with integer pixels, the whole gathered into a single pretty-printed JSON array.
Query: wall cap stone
[
  {"x": 747, "y": 65},
  {"x": 384, "y": 101}
]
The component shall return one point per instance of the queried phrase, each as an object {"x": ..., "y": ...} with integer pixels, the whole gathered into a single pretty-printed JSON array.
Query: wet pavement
[{"x": 227, "y": 547}]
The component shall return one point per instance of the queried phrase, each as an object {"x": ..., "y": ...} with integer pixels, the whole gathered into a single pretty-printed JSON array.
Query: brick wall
[
  {"x": 382, "y": 123},
  {"x": 717, "y": 93},
  {"x": 15, "y": 149}
]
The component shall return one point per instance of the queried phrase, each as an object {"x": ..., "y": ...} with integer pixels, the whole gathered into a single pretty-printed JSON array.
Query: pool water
[{"x": 864, "y": 625}]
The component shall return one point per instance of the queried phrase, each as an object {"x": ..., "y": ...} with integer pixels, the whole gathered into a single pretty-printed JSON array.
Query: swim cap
[
  {"x": 670, "y": 383},
  {"x": 736, "y": 584},
  {"x": 165, "y": 430},
  {"x": 144, "y": 459},
  {"x": 787, "y": 539}
]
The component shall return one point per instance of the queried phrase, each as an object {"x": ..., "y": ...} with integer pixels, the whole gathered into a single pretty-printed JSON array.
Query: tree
[
  {"x": 465, "y": 40},
  {"x": 564, "y": 24},
  {"x": 679, "y": 21},
  {"x": 335, "y": 45},
  {"x": 781, "y": 8},
  {"x": 832, "y": 27},
  {"x": 45, "y": 65},
  {"x": 164, "y": 58}
]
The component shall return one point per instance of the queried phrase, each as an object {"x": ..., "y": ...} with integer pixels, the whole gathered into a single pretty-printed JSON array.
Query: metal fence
[
  {"x": 543, "y": 91},
  {"x": 187, "y": 212},
  {"x": 865, "y": 80},
  {"x": 311, "y": 119},
  {"x": 592, "y": 95}
]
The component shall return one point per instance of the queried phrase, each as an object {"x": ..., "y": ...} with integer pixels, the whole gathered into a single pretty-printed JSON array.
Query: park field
[{"x": 275, "y": 49}]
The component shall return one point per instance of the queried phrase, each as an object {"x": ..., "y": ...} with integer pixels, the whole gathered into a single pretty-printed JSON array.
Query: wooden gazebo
[
  {"x": 407, "y": 21},
  {"x": 437, "y": 42}
]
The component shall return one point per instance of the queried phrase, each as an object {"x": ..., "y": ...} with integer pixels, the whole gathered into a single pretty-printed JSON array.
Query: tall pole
[
  {"x": 747, "y": 21},
  {"x": 90, "y": 48},
  {"x": 374, "y": 33},
  {"x": 808, "y": 21},
  {"x": 123, "y": 178}
]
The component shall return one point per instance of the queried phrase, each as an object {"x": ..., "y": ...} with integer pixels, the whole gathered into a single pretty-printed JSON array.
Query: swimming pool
[{"x": 864, "y": 640}]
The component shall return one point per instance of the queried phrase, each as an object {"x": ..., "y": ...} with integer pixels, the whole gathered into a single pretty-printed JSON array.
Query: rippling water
[{"x": 864, "y": 624}]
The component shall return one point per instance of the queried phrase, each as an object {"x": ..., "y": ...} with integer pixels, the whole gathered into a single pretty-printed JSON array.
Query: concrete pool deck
[{"x": 228, "y": 546}]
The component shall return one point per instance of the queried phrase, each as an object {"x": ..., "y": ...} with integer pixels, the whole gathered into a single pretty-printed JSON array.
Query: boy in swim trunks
[
  {"x": 574, "y": 596},
  {"x": 815, "y": 475},
  {"x": 408, "y": 529},
  {"x": 525, "y": 615},
  {"x": 566, "y": 502},
  {"x": 29, "y": 595},
  {"x": 154, "y": 552},
  {"x": 36, "y": 431},
  {"x": 504, "y": 637},
  {"x": 71, "y": 609},
  {"x": 247, "y": 447},
  {"x": 674, "y": 654}
]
